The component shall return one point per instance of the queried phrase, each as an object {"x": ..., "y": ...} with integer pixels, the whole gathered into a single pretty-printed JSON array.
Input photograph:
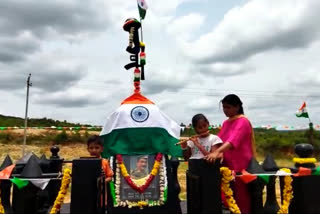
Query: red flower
[
  {"x": 149, "y": 180},
  {"x": 119, "y": 158},
  {"x": 159, "y": 157}
]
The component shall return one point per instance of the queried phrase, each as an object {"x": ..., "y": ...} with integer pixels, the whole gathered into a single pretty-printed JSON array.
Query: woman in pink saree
[{"x": 238, "y": 147}]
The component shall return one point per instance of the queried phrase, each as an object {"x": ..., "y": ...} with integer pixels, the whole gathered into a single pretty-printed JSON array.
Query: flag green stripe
[
  {"x": 142, "y": 12},
  {"x": 304, "y": 114},
  {"x": 136, "y": 141}
]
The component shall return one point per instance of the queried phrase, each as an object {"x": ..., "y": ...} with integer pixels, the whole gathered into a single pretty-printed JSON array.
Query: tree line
[
  {"x": 10, "y": 121},
  {"x": 275, "y": 142}
]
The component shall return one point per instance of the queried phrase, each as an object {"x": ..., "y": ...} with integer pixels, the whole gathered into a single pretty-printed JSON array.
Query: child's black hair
[
  {"x": 198, "y": 117},
  {"x": 233, "y": 100},
  {"x": 94, "y": 139}
]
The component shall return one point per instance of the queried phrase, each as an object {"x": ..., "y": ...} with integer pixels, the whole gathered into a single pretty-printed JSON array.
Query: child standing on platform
[
  {"x": 197, "y": 147},
  {"x": 95, "y": 148}
]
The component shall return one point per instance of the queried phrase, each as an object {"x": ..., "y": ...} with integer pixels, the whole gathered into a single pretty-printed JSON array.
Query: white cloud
[
  {"x": 72, "y": 98},
  {"x": 164, "y": 80},
  {"x": 256, "y": 27},
  {"x": 184, "y": 27},
  {"x": 63, "y": 18},
  {"x": 49, "y": 73},
  {"x": 309, "y": 76},
  {"x": 255, "y": 51},
  {"x": 224, "y": 69},
  {"x": 201, "y": 104},
  {"x": 166, "y": 6},
  {"x": 17, "y": 48}
]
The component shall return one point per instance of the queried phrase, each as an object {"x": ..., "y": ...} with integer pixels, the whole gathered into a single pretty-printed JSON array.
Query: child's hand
[
  {"x": 220, "y": 156},
  {"x": 195, "y": 140},
  {"x": 184, "y": 144},
  {"x": 212, "y": 157}
]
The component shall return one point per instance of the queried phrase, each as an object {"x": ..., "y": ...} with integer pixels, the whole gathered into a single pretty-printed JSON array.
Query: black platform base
[{"x": 66, "y": 209}]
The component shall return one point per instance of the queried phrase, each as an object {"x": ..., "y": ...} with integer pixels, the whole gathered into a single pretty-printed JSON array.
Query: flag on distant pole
[
  {"x": 302, "y": 112},
  {"x": 142, "y": 5}
]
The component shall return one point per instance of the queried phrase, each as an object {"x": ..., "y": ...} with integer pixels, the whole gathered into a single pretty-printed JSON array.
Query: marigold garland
[
  {"x": 227, "y": 177},
  {"x": 287, "y": 192},
  {"x": 159, "y": 167},
  {"x": 1, "y": 206},
  {"x": 130, "y": 181},
  {"x": 66, "y": 179},
  {"x": 304, "y": 160}
]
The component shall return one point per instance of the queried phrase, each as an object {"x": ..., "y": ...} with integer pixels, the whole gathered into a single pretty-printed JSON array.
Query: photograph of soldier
[{"x": 141, "y": 169}]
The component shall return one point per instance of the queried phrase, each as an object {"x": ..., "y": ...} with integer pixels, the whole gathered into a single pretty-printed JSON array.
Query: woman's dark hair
[
  {"x": 233, "y": 100},
  {"x": 198, "y": 117},
  {"x": 94, "y": 139}
]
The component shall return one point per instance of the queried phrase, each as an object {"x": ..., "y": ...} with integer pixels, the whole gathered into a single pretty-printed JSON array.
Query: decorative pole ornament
[
  {"x": 136, "y": 80},
  {"x": 135, "y": 47},
  {"x": 132, "y": 26},
  {"x": 138, "y": 128}
]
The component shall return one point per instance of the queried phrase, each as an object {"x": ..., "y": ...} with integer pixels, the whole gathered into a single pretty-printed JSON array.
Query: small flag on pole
[
  {"x": 142, "y": 5},
  {"x": 302, "y": 171},
  {"x": 302, "y": 112},
  {"x": 19, "y": 182},
  {"x": 247, "y": 177},
  {"x": 6, "y": 172}
]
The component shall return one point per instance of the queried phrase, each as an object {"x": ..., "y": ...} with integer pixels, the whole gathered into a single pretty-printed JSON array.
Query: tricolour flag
[
  {"x": 139, "y": 127},
  {"x": 142, "y": 5},
  {"x": 302, "y": 112}
]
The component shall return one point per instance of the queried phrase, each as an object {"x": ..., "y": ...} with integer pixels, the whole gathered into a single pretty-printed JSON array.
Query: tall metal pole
[
  {"x": 26, "y": 117},
  {"x": 310, "y": 132},
  {"x": 141, "y": 30}
]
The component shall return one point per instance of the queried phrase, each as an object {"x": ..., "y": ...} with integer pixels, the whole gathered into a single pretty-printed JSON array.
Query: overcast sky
[{"x": 198, "y": 51}]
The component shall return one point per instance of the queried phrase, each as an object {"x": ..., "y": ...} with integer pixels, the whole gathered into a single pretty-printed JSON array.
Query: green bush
[
  {"x": 6, "y": 137},
  {"x": 76, "y": 137},
  {"x": 61, "y": 138}
]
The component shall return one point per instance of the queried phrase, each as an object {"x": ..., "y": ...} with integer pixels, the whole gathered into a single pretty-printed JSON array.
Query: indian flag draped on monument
[
  {"x": 142, "y": 5},
  {"x": 139, "y": 127},
  {"x": 302, "y": 112}
]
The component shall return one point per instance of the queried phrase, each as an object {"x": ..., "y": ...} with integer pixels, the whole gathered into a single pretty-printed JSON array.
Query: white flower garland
[{"x": 111, "y": 162}]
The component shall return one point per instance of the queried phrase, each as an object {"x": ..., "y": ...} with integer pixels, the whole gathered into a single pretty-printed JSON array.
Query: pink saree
[{"x": 238, "y": 132}]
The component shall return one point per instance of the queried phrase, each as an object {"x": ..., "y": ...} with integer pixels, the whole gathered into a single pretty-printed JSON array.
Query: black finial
[
  {"x": 304, "y": 150},
  {"x": 54, "y": 150}
]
